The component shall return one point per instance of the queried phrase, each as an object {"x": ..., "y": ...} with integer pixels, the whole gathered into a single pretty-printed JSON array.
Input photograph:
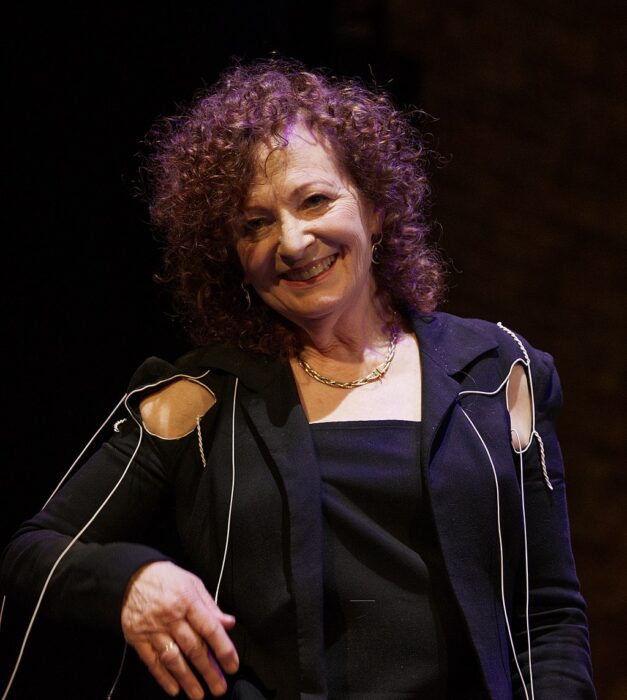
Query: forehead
[{"x": 298, "y": 152}]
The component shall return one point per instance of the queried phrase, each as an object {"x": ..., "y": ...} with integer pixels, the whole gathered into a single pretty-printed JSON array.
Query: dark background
[{"x": 528, "y": 109}]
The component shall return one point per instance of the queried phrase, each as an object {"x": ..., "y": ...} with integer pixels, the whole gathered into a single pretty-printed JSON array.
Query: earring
[
  {"x": 246, "y": 295},
  {"x": 375, "y": 251}
]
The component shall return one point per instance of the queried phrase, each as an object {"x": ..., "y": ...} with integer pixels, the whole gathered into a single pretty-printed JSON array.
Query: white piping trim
[
  {"x": 526, "y": 543},
  {"x": 502, "y": 557},
  {"x": 228, "y": 525}
]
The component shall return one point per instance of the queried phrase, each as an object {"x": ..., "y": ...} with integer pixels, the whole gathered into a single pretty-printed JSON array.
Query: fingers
[
  {"x": 150, "y": 656},
  {"x": 166, "y": 660},
  {"x": 172, "y": 658},
  {"x": 177, "y": 629},
  {"x": 196, "y": 651},
  {"x": 211, "y": 625}
]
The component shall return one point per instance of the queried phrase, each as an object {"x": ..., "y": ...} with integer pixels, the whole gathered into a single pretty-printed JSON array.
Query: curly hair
[{"x": 201, "y": 161}]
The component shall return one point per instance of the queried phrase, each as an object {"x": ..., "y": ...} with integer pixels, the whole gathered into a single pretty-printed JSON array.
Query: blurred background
[{"x": 527, "y": 108}]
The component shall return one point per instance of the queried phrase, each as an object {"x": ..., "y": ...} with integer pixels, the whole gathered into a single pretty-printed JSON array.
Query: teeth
[{"x": 318, "y": 268}]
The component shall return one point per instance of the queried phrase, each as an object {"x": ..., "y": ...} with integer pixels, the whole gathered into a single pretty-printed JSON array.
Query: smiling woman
[
  {"x": 309, "y": 258},
  {"x": 210, "y": 170},
  {"x": 362, "y": 496}
]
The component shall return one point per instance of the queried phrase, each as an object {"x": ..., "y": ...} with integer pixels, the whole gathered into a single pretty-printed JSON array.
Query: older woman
[{"x": 339, "y": 492}]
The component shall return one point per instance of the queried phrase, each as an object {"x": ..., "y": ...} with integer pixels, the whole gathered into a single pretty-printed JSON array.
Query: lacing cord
[
  {"x": 228, "y": 524},
  {"x": 502, "y": 559}
]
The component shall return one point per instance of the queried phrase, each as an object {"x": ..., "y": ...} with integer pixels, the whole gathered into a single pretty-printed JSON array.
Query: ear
[{"x": 376, "y": 217}]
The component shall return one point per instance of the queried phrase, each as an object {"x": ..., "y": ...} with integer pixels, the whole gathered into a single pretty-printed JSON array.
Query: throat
[{"x": 374, "y": 375}]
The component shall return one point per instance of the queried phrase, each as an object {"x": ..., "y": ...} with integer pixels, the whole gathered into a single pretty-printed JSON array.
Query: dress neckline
[{"x": 371, "y": 423}]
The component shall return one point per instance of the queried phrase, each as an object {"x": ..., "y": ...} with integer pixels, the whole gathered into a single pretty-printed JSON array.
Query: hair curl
[{"x": 199, "y": 166}]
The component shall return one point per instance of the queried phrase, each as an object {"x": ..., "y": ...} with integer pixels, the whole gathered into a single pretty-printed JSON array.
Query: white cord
[
  {"x": 117, "y": 678},
  {"x": 526, "y": 362},
  {"x": 228, "y": 525},
  {"x": 75, "y": 462},
  {"x": 524, "y": 519},
  {"x": 518, "y": 342},
  {"x": 501, "y": 554},
  {"x": 62, "y": 555},
  {"x": 500, "y": 387},
  {"x": 534, "y": 432}
]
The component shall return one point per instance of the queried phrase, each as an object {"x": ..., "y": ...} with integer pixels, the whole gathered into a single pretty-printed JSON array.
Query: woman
[{"x": 339, "y": 492}]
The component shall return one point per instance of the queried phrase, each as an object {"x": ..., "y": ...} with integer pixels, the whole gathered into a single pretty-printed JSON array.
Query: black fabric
[
  {"x": 382, "y": 633},
  {"x": 276, "y": 538}
]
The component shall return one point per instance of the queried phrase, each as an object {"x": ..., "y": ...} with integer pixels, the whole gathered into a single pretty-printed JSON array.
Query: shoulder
[
  {"x": 171, "y": 397},
  {"x": 448, "y": 328},
  {"x": 205, "y": 364},
  {"x": 490, "y": 348}
]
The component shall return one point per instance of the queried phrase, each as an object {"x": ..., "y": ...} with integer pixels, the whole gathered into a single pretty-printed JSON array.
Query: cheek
[
  {"x": 246, "y": 253},
  {"x": 362, "y": 245},
  {"x": 254, "y": 260}
]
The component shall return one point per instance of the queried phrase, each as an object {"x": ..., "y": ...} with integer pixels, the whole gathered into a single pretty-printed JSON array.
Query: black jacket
[{"x": 168, "y": 505}]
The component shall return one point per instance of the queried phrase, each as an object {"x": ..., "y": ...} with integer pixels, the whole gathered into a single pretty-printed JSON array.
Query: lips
[{"x": 307, "y": 272}]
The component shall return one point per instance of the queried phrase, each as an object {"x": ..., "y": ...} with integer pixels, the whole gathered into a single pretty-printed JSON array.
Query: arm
[
  {"x": 560, "y": 653},
  {"x": 109, "y": 573},
  {"x": 90, "y": 578}
]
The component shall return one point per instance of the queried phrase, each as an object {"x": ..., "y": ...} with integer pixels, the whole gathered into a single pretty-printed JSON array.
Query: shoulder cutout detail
[
  {"x": 519, "y": 406},
  {"x": 173, "y": 410}
]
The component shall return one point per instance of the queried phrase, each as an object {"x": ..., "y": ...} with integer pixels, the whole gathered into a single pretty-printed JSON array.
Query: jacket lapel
[
  {"x": 458, "y": 479},
  {"x": 446, "y": 348},
  {"x": 277, "y": 415}
]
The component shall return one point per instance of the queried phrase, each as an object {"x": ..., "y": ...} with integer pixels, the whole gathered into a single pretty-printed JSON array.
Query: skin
[{"x": 302, "y": 211}]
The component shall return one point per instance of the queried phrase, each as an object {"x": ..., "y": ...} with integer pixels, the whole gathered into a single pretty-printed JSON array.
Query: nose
[{"x": 294, "y": 239}]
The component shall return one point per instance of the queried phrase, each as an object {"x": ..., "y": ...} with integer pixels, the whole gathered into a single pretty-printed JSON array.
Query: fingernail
[{"x": 219, "y": 688}]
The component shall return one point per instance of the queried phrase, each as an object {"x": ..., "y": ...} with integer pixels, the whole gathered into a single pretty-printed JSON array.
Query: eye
[
  {"x": 256, "y": 224},
  {"x": 315, "y": 200}
]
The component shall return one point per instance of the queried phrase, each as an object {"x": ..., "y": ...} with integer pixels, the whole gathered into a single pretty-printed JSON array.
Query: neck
[{"x": 348, "y": 336}]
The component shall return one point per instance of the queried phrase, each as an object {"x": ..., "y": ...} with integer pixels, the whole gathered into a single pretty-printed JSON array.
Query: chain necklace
[{"x": 377, "y": 373}]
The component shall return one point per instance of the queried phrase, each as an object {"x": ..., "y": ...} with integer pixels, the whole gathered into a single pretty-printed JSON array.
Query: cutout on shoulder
[
  {"x": 519, "y": 406},
  {"x": 173, "y": 411}
]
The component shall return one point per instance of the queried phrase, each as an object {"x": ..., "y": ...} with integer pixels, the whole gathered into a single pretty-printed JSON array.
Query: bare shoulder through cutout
[
  {"x": 173, "y": 411},
  {"x": 519, "y": 406}
]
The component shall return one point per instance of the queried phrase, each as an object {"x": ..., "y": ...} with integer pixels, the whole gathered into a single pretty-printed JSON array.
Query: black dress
[{"x": 391, "y": 626}]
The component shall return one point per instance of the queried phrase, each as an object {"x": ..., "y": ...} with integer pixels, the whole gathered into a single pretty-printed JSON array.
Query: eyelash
[
  {"x": 315, "y": 199},
  {"x": 256, "y": 224}
]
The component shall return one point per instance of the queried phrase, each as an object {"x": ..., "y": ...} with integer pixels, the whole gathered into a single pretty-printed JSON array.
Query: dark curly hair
[{"x": 199, "y": 165}]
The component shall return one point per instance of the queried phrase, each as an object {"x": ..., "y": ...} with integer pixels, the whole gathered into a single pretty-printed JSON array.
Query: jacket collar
[
  {"x": 450, "y": 343},
  {"x": 447, "y": 346},
  {"x": 257, "y": 372}
]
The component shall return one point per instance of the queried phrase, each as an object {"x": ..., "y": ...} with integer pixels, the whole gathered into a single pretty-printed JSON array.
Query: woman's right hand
[{"x": 174, "y": 624}]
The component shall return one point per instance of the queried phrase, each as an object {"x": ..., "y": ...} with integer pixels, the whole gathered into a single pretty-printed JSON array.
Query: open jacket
[{"x": 172, "y": 500}]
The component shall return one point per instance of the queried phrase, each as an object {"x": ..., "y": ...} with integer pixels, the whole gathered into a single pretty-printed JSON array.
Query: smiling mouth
[{"x": 302, "y": 274}]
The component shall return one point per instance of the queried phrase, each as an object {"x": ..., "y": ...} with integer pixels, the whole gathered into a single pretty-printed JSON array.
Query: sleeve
[
  {"x": 94, "y": 534},
  {"x": 558, "y": 629}
]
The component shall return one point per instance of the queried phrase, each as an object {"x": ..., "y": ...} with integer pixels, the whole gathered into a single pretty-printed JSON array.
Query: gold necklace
[{"x": 377, "y": 373}]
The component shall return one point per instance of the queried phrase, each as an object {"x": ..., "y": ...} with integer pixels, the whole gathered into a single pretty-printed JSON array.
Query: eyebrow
[{"x": 295, "y": 192}]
